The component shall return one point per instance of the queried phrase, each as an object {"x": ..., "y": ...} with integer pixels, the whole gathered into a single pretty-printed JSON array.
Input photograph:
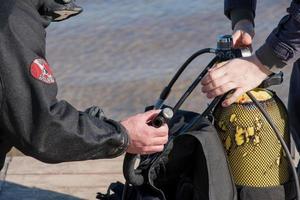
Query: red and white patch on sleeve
[{"x": 40, "y": 70}]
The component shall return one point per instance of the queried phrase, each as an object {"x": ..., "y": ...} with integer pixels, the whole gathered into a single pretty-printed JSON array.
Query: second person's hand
[
  {"x": 243, "y": 34},
  {"x": 240, "y": 75}
]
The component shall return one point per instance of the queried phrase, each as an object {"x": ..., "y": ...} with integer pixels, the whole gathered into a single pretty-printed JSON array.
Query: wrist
[
  {"x": 263, "y": 68},
  {"x": 268, "y": 54},
  {"x": 126, "y": 127},
  {"x": 244, "y": 23},
  {"x": 246, "y": 26},
  {"x": 126, "y": 140},
  {"x": 238, "y": 15}
]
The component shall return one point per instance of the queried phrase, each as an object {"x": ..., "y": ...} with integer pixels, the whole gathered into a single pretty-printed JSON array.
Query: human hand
[
  {"x": 145, "y": 139},
  {"x": 243, "y": 34},
  {"x": 241, "y": 75}
]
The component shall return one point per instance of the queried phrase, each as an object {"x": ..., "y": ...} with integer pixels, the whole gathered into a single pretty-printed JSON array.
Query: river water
[{"x": 120, "y": 54}]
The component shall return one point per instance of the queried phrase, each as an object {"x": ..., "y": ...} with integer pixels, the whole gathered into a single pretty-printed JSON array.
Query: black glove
[{"x": 57, "y": 10}]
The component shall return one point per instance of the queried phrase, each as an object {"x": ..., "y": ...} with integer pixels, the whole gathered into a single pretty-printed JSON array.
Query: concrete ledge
[{"x": 27, "y": 178}]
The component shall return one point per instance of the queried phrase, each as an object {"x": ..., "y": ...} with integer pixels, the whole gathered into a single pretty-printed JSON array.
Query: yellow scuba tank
[{"x": 255, "y": 155}]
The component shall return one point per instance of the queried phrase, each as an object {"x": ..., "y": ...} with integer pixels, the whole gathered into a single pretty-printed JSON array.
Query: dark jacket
[
  {"x": 282, "y": 45},
  {"x": 32, "y": 119}
]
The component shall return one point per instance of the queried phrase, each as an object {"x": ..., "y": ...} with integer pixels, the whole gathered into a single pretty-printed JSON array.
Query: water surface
[{"x": 120, "y": 54}]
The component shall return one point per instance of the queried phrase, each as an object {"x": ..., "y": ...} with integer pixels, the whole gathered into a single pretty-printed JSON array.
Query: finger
[
  {"x": 152, "y": 149},
  {"x": 214, "y": 74},
  {"x": 235, "y": 36},
  {"x": 221, "y": 90},
  {"x": 149, "y": 115},
  {"x": 219, "y": 65},
  {"x": 246, "y": 39},
  {"x": 158, "y": 141},
  {"x": 239, "y": 44},
  {"x": 159, "y": 132},
  {"x": 238, "y": 92},
  {"x": 216, "y": 83}
]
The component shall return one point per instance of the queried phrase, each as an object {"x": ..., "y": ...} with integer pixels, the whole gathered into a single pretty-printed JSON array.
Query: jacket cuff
[
  {"x": 294, "y": 10},
  {"x": 124, "y": 139},
  {"x": 267, "y": 57},
  {"x": 238, "y": 4},
  {"x": 121, "y": 138},
  {"x": 241, "y": 14}
]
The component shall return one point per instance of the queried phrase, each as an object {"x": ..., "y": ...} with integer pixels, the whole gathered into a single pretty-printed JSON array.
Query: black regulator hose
[
  {"x": 280, "y": 138},
  {"x": 166, "y": 91},
  {"x": 135, "y": 176},
  {"x": 195, "y": 83}
]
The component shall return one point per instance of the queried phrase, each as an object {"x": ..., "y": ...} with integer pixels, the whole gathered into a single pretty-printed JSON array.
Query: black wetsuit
[{"x": 32, "y": 119}]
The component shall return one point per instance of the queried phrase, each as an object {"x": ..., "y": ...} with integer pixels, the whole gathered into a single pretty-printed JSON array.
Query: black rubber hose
[
  {"x": 166, "y": 91},
  {"x": 195, "y": 83},
  {"x": 280, "y": 138},
  {"x": 131, "y": 175},
  {"x": 135, "y": 176}
]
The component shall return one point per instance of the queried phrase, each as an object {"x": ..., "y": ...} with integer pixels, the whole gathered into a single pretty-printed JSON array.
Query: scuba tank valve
[{"x": 162, "y": 118}]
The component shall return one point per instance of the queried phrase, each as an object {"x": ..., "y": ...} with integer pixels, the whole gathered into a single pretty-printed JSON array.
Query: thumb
[
  {"x": 236, "y": 36},
  {"x": 150, "y": 114},
  {"x": 218, "y": 66},
  {"x": 238, "y": 92},
  {"x": 246, "y": 38}
]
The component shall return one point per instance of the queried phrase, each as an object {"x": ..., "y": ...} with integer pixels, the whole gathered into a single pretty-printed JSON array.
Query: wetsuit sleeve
[
  {"x": 284, "y": 41},
  {"x": 51, "y": 130},
  {"x": 237, "y": 10},
  {"x": 54, "y": 131},
  {"x": 32, "y": 118}
]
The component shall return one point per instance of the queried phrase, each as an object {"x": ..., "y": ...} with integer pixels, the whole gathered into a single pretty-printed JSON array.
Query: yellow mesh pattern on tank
[{"x": 254, "y": 153}]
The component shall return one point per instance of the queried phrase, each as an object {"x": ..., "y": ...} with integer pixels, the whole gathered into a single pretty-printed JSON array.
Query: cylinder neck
[{"x": 224, "y": 42}]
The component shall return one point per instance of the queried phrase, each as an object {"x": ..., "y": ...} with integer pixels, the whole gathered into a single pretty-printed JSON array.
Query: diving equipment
[
  {"x": 280, "y": 135},
  {"x": 254, "y": 153}
]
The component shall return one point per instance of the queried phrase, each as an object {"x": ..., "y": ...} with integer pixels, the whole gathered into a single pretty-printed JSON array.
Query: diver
[
  {"x": 32, "y": 119},
  {"x": 244, "y": 74}
]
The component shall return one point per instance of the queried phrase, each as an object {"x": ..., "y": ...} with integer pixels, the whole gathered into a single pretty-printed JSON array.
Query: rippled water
[{"x": 120, "y": 54}]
